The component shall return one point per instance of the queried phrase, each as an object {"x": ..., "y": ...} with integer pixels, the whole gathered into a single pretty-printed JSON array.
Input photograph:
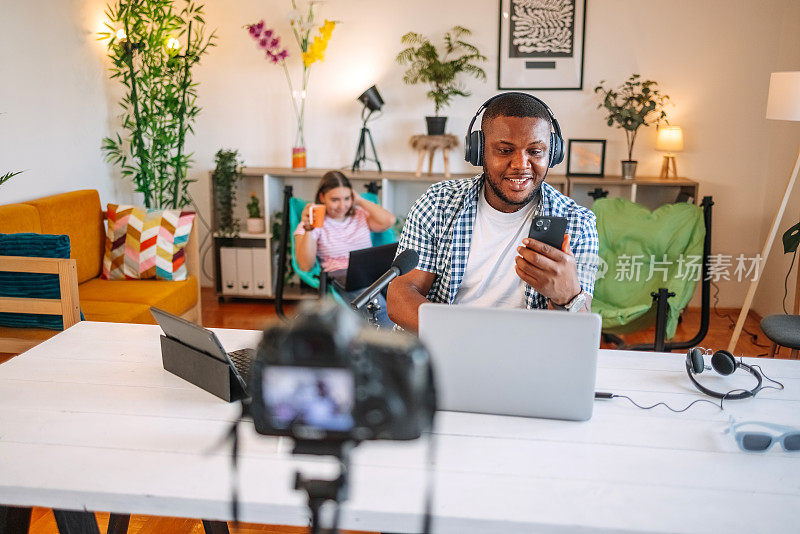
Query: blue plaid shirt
[{"x": 440, "y": 223}]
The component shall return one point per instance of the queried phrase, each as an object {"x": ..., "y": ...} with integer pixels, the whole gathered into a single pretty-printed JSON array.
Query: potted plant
[
  {"x": 633, "y": 104},
  {"x": 225, "y": 177},
  {"x": 255, "y": 222},
  {"x": 439, "y": 71},
  {"x": 153, "y": 47}
]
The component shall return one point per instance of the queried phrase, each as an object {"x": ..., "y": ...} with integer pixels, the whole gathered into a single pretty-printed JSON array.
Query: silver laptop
[{"x": 532, "y": 363}]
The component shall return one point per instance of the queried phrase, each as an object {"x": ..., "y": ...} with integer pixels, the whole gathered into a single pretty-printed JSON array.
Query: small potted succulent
[
  {"x": 427, "y": 66},
  {"x": 633, "y": 104},
  {"x": 255, "y": 222}
]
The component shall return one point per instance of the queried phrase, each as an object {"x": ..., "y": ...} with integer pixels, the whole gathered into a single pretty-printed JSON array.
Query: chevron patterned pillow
[{"x": 146, "y": 243}]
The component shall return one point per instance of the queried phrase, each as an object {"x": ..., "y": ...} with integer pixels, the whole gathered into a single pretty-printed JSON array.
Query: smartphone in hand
[{"x": 549, "y": 230}]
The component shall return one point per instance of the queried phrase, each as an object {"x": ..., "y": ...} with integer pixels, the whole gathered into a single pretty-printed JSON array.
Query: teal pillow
[{"x": 32, "y": 285}]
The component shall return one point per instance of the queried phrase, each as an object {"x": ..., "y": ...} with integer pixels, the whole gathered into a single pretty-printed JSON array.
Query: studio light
[
  {"x": 372, "y": 102},
  {"x": 371, "y": 99}
]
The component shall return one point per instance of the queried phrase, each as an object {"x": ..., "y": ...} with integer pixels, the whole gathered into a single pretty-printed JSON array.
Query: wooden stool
[{"x": 428, "y": 144}]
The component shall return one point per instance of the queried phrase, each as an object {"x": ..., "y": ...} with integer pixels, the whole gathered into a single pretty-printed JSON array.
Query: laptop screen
[{"x": 368, "y": 264}]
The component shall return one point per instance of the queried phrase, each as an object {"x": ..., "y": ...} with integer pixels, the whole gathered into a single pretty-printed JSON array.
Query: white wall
[
  {"x": 783, "y": 150},
  {"x": 712, "y": 57},
  {"x": 54, "y": 108}
]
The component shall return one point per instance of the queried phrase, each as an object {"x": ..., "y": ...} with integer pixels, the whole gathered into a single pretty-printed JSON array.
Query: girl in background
[{"x": 349, "y": 219}]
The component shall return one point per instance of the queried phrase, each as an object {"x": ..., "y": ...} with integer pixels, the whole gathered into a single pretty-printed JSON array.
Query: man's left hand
[{"x": 551, "y": 272}]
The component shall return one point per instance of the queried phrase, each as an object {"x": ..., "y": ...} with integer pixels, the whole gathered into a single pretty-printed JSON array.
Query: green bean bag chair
[{"x": 665, "y": 245}]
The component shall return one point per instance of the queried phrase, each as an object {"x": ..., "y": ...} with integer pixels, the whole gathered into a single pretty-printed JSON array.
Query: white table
[{"x": 90, "y": 420}]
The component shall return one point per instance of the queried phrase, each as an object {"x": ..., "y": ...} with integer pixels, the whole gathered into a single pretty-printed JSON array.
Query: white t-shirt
[{"x": 490, "y": 279}]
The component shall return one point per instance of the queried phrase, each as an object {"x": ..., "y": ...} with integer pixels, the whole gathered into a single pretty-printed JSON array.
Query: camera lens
[
  {"x": 375, "y": 417},
  {"x": 539, "y": 222}
]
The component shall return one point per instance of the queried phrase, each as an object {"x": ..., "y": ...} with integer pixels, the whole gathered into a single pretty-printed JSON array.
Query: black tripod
[{"x": 361, "y": 151}]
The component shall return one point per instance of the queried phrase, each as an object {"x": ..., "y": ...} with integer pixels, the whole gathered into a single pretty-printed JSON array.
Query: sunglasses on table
[{"x": 755, "y": 441}]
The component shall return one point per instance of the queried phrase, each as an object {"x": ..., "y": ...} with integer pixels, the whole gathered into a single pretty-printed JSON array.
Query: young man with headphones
[{"x": 472, "y": 234}]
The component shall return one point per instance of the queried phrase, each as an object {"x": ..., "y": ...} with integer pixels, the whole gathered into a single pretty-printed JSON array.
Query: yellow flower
[
  {"x": 327, "y": 29},
  {"x": 316, "y": 49}
]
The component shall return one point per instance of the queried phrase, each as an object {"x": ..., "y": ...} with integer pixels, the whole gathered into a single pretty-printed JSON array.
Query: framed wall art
[
  {"x": 586, "y": 157},
  {"x": 541, "y": 44}
]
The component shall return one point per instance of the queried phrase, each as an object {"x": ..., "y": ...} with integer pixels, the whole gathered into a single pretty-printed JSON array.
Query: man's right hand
[{"x": 405, "y": 295}]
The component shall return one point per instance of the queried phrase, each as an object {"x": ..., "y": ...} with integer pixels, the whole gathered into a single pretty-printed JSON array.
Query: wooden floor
[
  {"x": 43, "y": 522},
  {"x": 253, "y": 314}
]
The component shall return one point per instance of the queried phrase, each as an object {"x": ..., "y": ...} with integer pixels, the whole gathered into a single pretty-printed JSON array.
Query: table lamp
[
  {"x": 670, "y": 140},
  {"x": 783, "y": 104}
]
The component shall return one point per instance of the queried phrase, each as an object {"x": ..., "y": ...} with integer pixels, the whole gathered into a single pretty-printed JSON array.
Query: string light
[
  {"x": 173, "y": 44},
  {"x": 121, "y": 34}
]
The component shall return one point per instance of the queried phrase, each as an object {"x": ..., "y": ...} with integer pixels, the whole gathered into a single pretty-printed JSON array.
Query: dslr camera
[{"x": 327, "y": 377}]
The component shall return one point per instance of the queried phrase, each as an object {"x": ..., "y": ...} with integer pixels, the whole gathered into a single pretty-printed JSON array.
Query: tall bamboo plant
[{"x": 153, "y": 46}]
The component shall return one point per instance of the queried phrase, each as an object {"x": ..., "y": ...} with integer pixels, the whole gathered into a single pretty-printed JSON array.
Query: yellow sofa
[{"x": 79, "y": 215}]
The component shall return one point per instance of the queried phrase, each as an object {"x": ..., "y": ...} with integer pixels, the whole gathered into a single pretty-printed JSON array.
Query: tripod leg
[
  {"x": 374, "y": 153},
  {"x": 360, "y": 151}
]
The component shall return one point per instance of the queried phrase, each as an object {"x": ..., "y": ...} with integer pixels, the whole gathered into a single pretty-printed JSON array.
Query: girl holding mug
[{"x": 347, "y": 224}]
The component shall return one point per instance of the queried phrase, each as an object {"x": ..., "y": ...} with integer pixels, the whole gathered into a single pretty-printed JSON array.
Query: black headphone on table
[
  {"x": 475, "y": 142},
  {"x": 724, "y": 363}
]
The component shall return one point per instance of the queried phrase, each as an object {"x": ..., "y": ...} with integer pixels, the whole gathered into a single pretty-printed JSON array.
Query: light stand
[
  {"x": 372, "y": 102},
  {"x": 361, "y": 151}
]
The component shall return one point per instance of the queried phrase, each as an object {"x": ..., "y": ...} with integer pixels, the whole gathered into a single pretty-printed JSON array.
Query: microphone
[{"x": 405, "y": 262}]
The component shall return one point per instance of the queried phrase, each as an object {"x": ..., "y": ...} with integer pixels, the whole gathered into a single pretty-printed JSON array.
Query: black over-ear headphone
[
  {"x": 724, "y": 363},
  {"x": 475, "y": 142}
]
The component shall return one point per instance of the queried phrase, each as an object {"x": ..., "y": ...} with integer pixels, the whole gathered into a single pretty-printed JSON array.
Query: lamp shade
[
  {"x": 783, "y": 102},
  {"x": 371, "y": 99},
  {"x": 670, "y": 139}
]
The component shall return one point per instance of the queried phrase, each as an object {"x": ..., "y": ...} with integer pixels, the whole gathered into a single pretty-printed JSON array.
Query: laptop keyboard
[{"x": 243, "y": 359}]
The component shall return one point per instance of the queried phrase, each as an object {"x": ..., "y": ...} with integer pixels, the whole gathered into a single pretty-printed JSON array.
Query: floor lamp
[{"x": 783, "y": 103}]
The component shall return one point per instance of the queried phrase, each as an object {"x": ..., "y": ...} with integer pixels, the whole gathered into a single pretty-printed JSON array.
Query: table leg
[
  {"x": 430, "y": 161},
  {"x": 15, "y": 519},
  {"x": 446, "y": 156},
  {"x": 118, "y": 523},
  {"x": 72, "y": 522},
  {"x": 215, "y": 527}
]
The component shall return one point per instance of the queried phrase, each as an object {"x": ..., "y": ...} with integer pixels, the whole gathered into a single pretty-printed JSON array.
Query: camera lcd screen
[{"x": 317, "y": 397}]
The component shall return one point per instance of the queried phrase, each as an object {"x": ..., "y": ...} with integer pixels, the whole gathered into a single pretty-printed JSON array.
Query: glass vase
[{"x": 299, "y": 146}]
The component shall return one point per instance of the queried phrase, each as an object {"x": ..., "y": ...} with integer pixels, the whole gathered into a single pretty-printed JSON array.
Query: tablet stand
[{"x": 200, "y": 369}]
